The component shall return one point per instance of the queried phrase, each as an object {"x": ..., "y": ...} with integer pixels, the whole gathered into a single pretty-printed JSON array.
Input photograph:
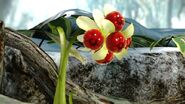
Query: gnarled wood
[{"x": 1, "y": 51}]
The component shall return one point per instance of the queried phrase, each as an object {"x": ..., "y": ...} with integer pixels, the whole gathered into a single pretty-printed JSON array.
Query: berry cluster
[{"x": 115, "y": 42}]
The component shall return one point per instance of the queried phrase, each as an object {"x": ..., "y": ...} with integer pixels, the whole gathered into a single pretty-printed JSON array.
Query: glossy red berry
[
  {"x": 93, "y": 39},
  {"x": 115, "y": 42},
  {"x": 117, "y": 19},
  {"x": 109, "y": 57},
  {"x": 128, "y": 42}
]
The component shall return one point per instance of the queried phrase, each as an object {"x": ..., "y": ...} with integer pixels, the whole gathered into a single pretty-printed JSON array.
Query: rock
[{"x": 142, "y": 76}]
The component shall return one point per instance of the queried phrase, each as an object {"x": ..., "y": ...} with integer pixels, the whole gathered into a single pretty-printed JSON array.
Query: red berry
[
  {"x": 115, "y": 42},
  {"x": 109, "y": 57},
  {"x": 128, "y": 42},
  {"x": 117, "y": 19},
  {"x": 93, "y": 39}
]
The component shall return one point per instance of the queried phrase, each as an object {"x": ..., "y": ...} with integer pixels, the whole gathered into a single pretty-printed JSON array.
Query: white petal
[
  {"x": 108, "y": 9},
  {"x": 129, "y": 31},
  {"x": 84, "y": 49},
  {"x": 98, "y": 17},
  {"x": 80, "y": 38},
  {"x": 107, "y": 27},
  {"x": 120, "y": 55},
  {"x": 100, "y": 54},
  {"x": 86, "y": 23}
]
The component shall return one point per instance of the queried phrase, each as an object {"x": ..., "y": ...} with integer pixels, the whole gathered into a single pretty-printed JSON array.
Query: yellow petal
[
  {"x": 84, "y": 49},
  {"x": 107, "y": 27},
  {"x": 120, "y": 55},
  {"x": 80, "y": 38},
  {"x": 100, "y": 54},
  {"x": 108, "y": 9},
  {"x": 129, "y": 31},
  {"x": 98, "y": 17},
  {"x": 86, "y": 23}
]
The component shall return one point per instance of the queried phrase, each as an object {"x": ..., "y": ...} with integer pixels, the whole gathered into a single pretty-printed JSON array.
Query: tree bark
[{"x": 1, "y": 51}]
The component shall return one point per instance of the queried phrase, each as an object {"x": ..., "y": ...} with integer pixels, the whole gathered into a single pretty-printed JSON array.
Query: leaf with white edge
[
  {"x": 108, "y": 27},
  {"x": 62, "y": 37},
  {"x": 98, "y": 17},
  {"x": 74, "y": 53},
  {"x": 108, "y": 9},
  {"x": 80, "y": 38},
  {"x": 120, "y": 55},
  {"x": 129, "y": 31},
  {"x": 86, "y": 23},
  {"x": 100, "y": 54},
  {"x": 180, "y": 43}
]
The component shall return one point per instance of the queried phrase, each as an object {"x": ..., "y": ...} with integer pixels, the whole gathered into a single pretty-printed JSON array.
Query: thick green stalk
[
  {"x": 60, "y": 97},
  {"x": 60, "y": 93}
]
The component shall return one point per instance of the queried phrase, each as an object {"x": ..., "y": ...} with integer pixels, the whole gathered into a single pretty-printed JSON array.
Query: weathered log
[
  {"x": 1, "y": 51},
  {"x": 40, "y": 64}
]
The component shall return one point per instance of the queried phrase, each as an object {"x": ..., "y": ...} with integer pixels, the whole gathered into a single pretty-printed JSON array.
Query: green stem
[
  {"x": 71, "y": 98},
  {"x": 60, "y": 96},
  {"x": 60, "y": 93}
]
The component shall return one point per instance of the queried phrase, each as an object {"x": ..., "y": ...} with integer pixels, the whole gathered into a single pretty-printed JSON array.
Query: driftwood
[
  {"x": 1, "y": 50},
  {"x": 30, "y": 74}
]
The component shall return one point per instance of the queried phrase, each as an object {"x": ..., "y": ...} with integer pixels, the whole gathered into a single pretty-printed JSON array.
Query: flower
[{"x": 103, "y": 36}]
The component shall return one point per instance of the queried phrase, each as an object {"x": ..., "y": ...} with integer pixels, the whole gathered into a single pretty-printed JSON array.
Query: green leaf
[
  {"x": 156, "y": 43},
  {"x": 28, "y": 33},
  {"x": 70, "y": 97},
  {"x": 160, "y": 42},
  {"x": 141, "y": 41},
  {"x": 74, "y": 53},
  {"x": 53, "y": 29},
  {"x": 129, "y": 31},
  {"x": 61, "y": 22},
  {"x": 180, "y": 43},
  {"x": 62, "y": 37},
  {"x": 86, "y": 23},
  {"x": 54, "y": 37}
]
